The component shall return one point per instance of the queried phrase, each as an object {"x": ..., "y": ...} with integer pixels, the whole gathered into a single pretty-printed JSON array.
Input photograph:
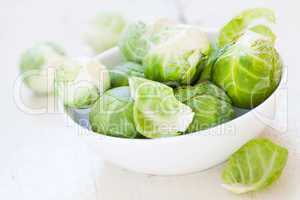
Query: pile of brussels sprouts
[{"x": 173, "y": 81}]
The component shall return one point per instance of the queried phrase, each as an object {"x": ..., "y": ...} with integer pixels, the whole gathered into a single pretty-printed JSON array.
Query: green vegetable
[
  {"x": 139, "y": 37},
  {"x": 157, "y": 113},
  {"x": 177, "y": 58},
  {"x": 79, "y": 83},
  {"x": 210, "y": 104},
  {"x": 249, "y": 71},
  {"x": 38, "y": 64},
  {"x": 255, "y": 166},
  {"x": 113, "y": 114},
  {"x": 119, "y": 75},
  {"x": 104, "y": 31},
  {"x": 215, "y": 53},
  {"x": 256, "y": 20}
]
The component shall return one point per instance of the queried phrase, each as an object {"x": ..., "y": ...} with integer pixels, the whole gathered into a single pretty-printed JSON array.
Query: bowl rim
[{"x": 201, "y": 133}]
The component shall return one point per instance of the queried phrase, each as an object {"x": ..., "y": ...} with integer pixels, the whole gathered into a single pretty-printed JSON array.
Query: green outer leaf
[
  {"x": 186, "y": 93},
  {"x": 249, "y": 71},
  {"x": 157, "y": 113},
  {"x": 112, "y": 114},
  {"x": 206, "y": 74},
  {"x": 119, "y": 75},
  {"x": 256, "y": 165},
  {"x": 243, "y": 22},
  {"x": 210, "y": 104}
]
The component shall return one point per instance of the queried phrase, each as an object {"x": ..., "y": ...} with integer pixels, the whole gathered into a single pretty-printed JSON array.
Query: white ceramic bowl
[{"x": 181, "y": 154}]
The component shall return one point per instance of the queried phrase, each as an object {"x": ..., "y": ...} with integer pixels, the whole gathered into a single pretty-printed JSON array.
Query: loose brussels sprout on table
[
  {"x": 80, "y": 83},
  {"x": 104, "y": 31},
  {"x": 210, "y": 104},
  {"x": 119, "y": 75},
  {"x": 113, "y": 114},
  {"x": 254, "y": 166},
  {"x": 38, "y": 65}
]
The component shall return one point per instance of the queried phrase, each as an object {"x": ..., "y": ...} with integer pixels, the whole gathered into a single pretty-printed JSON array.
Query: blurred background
[{"x": 22, "y": 163}]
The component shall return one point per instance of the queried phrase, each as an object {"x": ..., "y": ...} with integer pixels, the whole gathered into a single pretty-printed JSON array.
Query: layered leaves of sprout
[
  {"x": 249, "y": 71},
  {"x": 210, "y": 104},
  {"x": 178, "y": 58}
]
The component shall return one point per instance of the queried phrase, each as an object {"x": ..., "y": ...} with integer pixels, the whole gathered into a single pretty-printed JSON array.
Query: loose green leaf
[
  {"x": 256, "y": 165},
  {"x": 157, "y": 113},
  {"x": 251, "y": 19}
]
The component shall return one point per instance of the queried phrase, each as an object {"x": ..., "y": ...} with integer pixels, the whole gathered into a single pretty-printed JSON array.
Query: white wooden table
[{"x": 42, "y": 158}]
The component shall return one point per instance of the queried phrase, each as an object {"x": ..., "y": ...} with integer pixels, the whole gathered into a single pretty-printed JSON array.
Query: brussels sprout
[
  {"x": 36, "y": 64},
  {"x": 249, "y": 20},
  {"x": 255, "y": 166},
  {"x": 79, "y": 83},
  {"x": 104, "y": 31},
  {"x": 119, "y": 75},
  {"x": 177, "y": 58},
  {"x": 157, "y": 113},
  {"x": 210, "y": 104},
  {"x": 139, "y": 37},
  {"x": 249, "y": 71},
  {"x": 215, "y": 53},
  {"x": 113, "y": 114}
]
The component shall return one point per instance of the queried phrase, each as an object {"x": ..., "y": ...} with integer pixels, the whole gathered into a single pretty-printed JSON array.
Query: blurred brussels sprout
[
  {"x": 157, "y": 113},
  {"x": 257, "y": 20},
  {"x": 178, "y": 58},
  {"x": 249, "y": 71},
  {"x": 210, "y": 104},
  {"x": 104, "y": 31},
  {"x": 255, "y": 166},
  {"x": 139, "y": 37},
  {"x": 119, "y": 75},
  {"x": 113, "y": 114},
  {"x": 38, "y": 65},
  {"x": 80, "y": 82}
]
